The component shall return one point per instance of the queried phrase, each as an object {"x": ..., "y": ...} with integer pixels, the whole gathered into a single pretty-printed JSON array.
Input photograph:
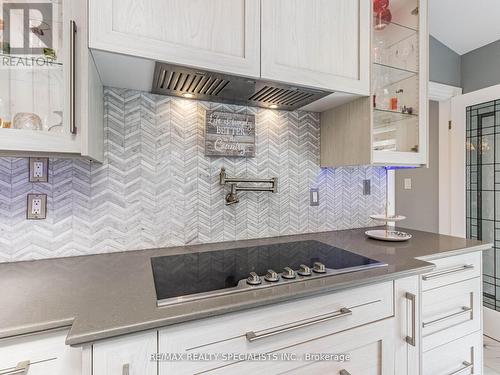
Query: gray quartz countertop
[{"x": 101, "y": 296}]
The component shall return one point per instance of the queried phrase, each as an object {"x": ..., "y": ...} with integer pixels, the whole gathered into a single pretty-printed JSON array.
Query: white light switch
[
  {"x": 314, "y": 197},
  {"x": 407, "y": 184}
]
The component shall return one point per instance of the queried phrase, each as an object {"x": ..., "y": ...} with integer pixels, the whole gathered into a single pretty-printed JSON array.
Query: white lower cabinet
[
  {"x": 272, "y": 328},
  {"x": 407, "y": 341},
  {"x": 370, "y": 349},
  {"x": 451, "y": 322},
  {"x": 462, "y": 356},
  {"x": 126, "y": 355},
  {"x": 41, "y": 354},
  {"x": 450, "y": 312}
]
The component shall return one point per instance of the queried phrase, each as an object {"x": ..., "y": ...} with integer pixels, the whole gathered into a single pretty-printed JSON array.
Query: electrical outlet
[
  {"x": 39, "y": 169},
  {"x": 37, "y": 206},
  {"x": 314, "y": 197},
  {"x": 367, "y": 187}
]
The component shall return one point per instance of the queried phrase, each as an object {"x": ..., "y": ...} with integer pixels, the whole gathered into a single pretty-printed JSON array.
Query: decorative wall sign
[{"x": 229, "y": 134}]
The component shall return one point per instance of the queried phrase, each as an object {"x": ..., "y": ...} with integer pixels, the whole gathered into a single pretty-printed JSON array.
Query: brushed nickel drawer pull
[
  {"x": 465, "y": 310},
  {"x": 252, "y": 336},
  {"x": 413, "y": 299},
  {"x": 467, "y": 366},
  {"x": 21, "y": 369},
  {"x": 447, "y": 272},
  {"x": 344, "y": 372}
]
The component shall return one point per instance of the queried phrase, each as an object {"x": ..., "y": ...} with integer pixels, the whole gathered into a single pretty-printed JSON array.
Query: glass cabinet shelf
[
  {"x": 384, "y": 129},
  {"x": 393, "y": 34},
  {"x": 387, "y": 75},
  {"x": 384, "y": 116}
]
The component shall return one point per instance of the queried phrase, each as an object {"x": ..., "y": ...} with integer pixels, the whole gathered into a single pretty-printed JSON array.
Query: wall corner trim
[{"x": 440, "y": 92}]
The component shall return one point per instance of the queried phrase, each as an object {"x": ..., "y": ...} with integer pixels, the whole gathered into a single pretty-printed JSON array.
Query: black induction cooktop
[{"x": 200, "y": 275}]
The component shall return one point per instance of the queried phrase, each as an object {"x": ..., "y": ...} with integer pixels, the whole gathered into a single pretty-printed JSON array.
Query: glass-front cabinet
[
  {"x": 43, "y": 73},
  {"x": 399, "y": 82},
  {"x": 389, "y": 127}
]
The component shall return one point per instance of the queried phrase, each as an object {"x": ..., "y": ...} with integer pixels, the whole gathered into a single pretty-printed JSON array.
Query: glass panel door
[
  {"x": 483, "y": 190},
  {"x": 32, "y": 84},
  {"x": 395, "y": 75}
]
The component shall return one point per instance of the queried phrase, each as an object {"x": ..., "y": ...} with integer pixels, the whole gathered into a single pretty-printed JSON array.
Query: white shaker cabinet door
[
  {"x": 407, "y": 344},
  {"x": 219, "y": 35},
  {"x": 41, "y": 354},
  {"x": 130, "y": 355},
  {"x": 317, "y": 43}
]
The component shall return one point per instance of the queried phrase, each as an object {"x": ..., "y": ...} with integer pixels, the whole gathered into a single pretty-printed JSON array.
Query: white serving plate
[
  {"x": 388, "y": 235},
  {"x": 388, "y": 218}
]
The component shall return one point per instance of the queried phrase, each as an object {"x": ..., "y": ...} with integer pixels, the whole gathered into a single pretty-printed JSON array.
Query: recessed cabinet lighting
[
  {"x": 188, "y": 95},
  {"x": 273, "y": 106}
]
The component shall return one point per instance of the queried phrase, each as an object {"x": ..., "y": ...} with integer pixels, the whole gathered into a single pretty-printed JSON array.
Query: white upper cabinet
[
  {"x": 50, "y": 92},
  {"x": 219, "y": 35},
  {"x": 317, "y": 43}
]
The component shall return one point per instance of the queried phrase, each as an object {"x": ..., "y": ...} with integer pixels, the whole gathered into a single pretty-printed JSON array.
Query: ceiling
[{"x": 464, "y": 25}]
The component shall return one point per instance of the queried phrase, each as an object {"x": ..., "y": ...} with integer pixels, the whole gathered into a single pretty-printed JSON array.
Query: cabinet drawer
[
  {"x": 370, "y": 349},
  {"x": 273, "y": 327},
  {"x": 463, "y": 356},
  {"x": 46, "y": 353},
  {"x": 129, "y": 354},
  {"x": 452, "y": 269},
  {"x": 450, "y": 312}
]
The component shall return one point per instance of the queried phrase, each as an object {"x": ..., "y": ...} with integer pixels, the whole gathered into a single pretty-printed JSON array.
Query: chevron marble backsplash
[{"x": 156, "y": 188}]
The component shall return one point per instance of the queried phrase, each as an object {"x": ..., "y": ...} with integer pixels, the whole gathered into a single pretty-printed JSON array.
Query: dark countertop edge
[{"x": 88, "y": 338}]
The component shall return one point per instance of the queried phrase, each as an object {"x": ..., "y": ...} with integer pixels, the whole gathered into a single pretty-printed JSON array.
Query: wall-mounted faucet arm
[{"x": 232, "y": 197}]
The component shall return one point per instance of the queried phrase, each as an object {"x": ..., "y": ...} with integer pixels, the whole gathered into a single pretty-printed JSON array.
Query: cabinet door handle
[
  {"x": 21, "y": 369},
  {"x": 126, "y": 369},
  {"x": 413, "y": 299},
  {"x": 252, "y": 336},
  {"x": 465, "y": 310},
  {"x": 467, "y": 366},
  {"x": 72, "y": 78},
  {"x": 447, "y": 272},
  {"x": 344, "y": 372}
]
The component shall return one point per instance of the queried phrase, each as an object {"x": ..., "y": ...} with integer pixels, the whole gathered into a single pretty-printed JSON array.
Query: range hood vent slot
[
  {"x": 280, "y": 96},
  {"x": 222, "y": 88},
  {"x": 192, "y": 83}
]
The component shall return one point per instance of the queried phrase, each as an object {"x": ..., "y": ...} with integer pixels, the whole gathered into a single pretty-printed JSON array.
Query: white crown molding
[{"x": 440, "y": 92}]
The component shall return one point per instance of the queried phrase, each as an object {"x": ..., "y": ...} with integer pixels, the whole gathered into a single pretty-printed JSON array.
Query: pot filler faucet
[{"x": 232, "y": 196}]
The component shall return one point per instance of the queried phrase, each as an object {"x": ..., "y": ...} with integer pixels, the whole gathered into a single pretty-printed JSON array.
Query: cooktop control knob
[
  {"x": 288, "y": 273},
  {"x": 271, "y": 276},
  {"x": 319, "y": 267},
  {"x": 254, "y": 279},
  {"x": 304, "y": 270}
]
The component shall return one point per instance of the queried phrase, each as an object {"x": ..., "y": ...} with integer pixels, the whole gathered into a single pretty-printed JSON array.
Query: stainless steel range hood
[{"x": 222, "y": 88}]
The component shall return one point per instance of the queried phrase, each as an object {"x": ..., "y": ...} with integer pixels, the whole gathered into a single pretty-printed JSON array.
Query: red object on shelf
[
  {"x": 394, "y": 104},
  {"x": 380, "y": 5},
  {"x": 382, "y": 19}
]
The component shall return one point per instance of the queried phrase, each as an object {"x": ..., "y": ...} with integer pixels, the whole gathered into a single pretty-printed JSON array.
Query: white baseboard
[{"x": 491, "y": 323}]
